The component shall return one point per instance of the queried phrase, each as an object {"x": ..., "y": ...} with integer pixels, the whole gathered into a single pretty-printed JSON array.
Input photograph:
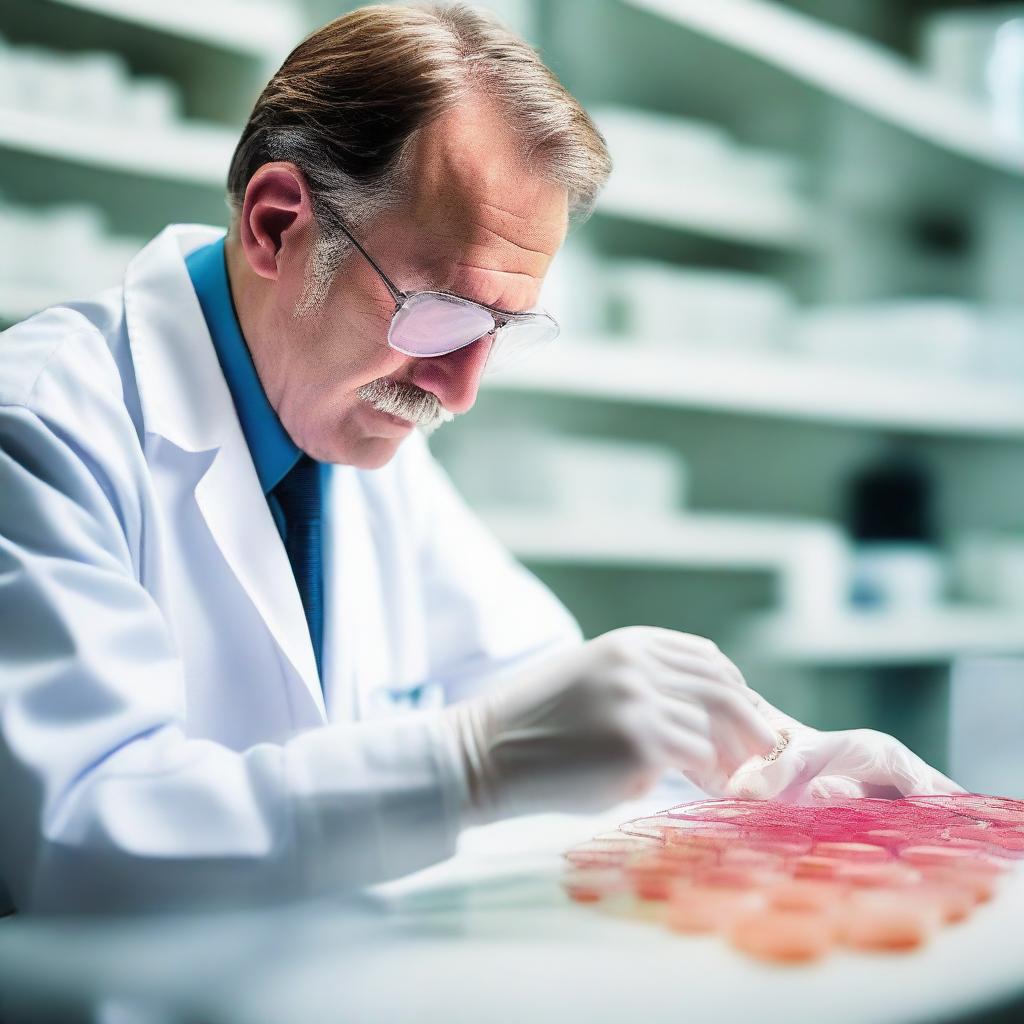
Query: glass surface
[
  {"x": 433, "y": 324},
  {"x": 520, "y": 337}
]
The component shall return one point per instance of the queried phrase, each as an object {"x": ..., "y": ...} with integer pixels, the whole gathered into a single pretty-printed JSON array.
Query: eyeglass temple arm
[{"x": 396, "y": 293}]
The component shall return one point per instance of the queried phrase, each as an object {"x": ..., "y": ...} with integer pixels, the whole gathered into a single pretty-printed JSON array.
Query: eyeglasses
[{"x": 433, "y": 323}]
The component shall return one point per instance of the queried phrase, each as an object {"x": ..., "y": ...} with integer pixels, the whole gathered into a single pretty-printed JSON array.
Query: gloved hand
[
  {"x": 598, "y": 724},
  {"x": 816, "y": 765}
]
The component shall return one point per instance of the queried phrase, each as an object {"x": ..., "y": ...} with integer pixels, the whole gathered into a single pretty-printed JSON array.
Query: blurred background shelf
[
  {"x": 783, "y": 223},
  {"x": 864, "y": 639},
  {"x": 848, "y": 68},
  {"x": 688, "y": 541},
  {"x": 260, "y": 29},
  {"x": 190, "y": 154},
  {"x": 776, "y": 385}
]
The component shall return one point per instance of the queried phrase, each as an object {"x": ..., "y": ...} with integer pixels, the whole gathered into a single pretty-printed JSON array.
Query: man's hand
[
  {"x": 600, "y": 723},
  {"x": 817, "y": 765}
]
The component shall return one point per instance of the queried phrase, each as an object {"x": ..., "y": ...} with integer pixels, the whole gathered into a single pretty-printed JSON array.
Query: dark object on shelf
[
  {"x": 896, "y": 564},
  {"x": 891, "y": 500}
]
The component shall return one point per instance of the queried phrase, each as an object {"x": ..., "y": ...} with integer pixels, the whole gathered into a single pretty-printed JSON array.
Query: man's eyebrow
[
  {"x": 489, "y": 270},
  {"x": 456, "y": 295}
]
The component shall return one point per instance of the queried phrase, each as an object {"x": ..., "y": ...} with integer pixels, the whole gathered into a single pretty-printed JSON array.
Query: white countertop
[{"x": 489, "y": 936}]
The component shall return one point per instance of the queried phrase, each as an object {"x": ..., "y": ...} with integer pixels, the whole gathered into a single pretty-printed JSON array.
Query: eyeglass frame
[{"x": 501, "y": 317}]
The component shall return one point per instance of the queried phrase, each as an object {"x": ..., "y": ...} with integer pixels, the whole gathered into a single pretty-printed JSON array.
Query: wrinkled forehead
[
  {"x": 489, "y": 256},
  {"x": 485, "y": 224}
]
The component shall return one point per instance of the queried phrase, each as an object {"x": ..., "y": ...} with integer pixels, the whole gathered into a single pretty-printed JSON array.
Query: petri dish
[
  {"x": 591, "y": 885},
  {"x": 950, "y": 855},
  {"x": 861, "y": 853},
  {"x": 783, "y": 936},
  {"x": 815, "y": 866},
  {"x": 699, "y": 909},
  {"x": 888, "y": 875},
  {"x": 981, "y": 884},
  {"x": 887, "y": 921},
  {"x": 955, "y": 902},
  {"x": 807, "y": 895}
]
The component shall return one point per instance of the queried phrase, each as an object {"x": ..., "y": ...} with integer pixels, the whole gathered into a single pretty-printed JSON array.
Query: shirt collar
[{"x": 273, "y": 451}]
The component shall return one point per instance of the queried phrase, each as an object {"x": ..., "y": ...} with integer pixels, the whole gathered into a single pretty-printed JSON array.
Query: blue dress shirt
[{"x": 273, "y": 452}]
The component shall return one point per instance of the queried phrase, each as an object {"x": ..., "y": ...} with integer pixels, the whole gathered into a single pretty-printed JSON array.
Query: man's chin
[
  {"x": 378, "y": 436},
  {"x": 372, "y": 452}
]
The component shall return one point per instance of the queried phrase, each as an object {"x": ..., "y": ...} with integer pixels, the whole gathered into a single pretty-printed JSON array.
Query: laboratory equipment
[
  {"x": 896, "y": 565},
  {"x": 789, "y": 882}
]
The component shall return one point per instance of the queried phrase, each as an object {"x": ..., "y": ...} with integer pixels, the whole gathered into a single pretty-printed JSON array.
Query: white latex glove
[
  {"x": 600, "y": 723},
  {"x": 816, "y": 765}
]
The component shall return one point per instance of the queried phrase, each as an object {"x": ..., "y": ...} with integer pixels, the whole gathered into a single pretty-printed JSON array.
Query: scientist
[{"x": 249, "y": 635}]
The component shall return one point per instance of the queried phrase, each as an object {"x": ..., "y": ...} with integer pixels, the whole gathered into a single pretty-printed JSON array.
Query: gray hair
[{"x": 350, "y": 100}]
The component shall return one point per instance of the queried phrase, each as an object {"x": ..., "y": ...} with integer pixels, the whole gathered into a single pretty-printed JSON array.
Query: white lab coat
[{"x": 164, "y": 739}]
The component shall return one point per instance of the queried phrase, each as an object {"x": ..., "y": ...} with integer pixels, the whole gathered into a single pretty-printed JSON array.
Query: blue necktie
[{"x": 299, "y": 495}]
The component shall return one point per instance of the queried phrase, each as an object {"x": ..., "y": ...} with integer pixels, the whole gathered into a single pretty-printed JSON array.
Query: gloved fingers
[
  {"x": 894, "y": 764},
  {"x": 731, "y": 748},
  {"x": 884, "y": 766},
  {"x": 934, "y": 783},
  {"x": 728, "y": 708},
  {"x": 807, "y": 755},
  {"x": 711, "y": 781},
  {"x": 831, "y": 787},
  {"x": 719, "y": 669},
  {"x": 686, "y": 750},
  {"x": 779, "y": 719},
  {"x": 872, "y": 763},
  {"x": 684, "y": 715},
  {"x": 679, "y": 639},
  {"x": 688, "y": 645},
  {"x": 715, "y": 670}
]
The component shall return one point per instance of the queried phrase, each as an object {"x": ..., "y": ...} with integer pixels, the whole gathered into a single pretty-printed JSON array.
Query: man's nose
[{"x": 454, "y": 378}]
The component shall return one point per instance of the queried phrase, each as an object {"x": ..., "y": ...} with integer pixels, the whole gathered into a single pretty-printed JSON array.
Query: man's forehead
[
  {"x": 478, "y": 209},
  {"x": 520, "y": 211},
  {"x": 508, "y": 212},
  {"x": 475, "y": 242}
]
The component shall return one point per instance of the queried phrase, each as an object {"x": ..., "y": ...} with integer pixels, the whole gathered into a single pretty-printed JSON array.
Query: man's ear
[{"x": 277, "y": 211}]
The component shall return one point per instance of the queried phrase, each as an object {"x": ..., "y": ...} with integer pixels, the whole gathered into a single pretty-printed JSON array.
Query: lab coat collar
[
  {"x": 185, "y": 399},
  {"x": 273, "y": 452},
  {"x": 181, "y": 385}
]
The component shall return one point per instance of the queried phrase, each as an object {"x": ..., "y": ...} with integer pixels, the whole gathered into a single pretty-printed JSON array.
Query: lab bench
[{"x": 488, "y": 936}]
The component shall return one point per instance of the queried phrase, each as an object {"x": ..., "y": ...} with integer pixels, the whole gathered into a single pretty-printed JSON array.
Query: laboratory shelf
[
  {"x": 715, "y": 541},
  {"x": 774, "y": 220},
  {"x": 884, "y": 638},
  {"x": 259, "y": 29},
  {"x": 775, "y": 385},
  {"x": 194, "y": 154},
  {"x": 848, "y": 68}
]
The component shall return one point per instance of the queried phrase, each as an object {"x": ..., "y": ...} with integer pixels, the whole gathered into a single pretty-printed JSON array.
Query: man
[{"x": 227, "y": 560}]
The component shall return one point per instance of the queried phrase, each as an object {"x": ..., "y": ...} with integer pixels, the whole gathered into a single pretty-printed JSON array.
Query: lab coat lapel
[
  {"x": 236, "y": 511},
  {"x": 186, "y": 400},
  {"x": 376, "y": 650},
  {"x": 342, "y": 550},
  {"x": 352, "y": 644}
]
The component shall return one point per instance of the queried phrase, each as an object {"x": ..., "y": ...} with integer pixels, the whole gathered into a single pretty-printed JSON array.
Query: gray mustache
[{"x": 406, "y": 401}]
